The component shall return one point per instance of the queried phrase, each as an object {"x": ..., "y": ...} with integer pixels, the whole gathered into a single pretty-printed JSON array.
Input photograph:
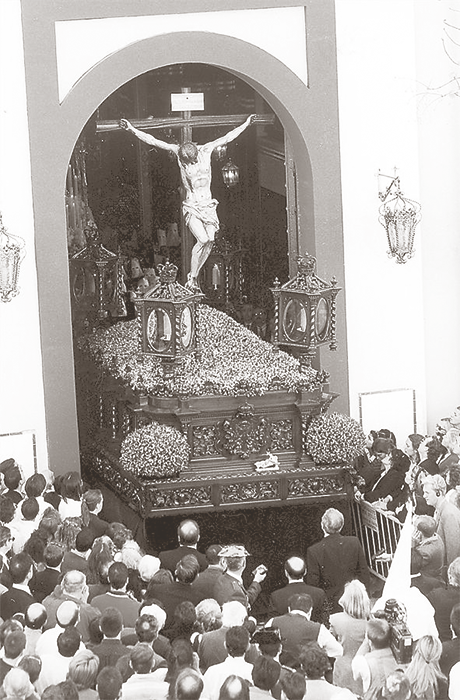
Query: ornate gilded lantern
[
  {"x": 12, "y": 251},
  {"x": 305, "y": 311},
  {"x": 167, "y": 317},
  {"x": 222, "y": 275},
  {"x": 95, "y": 281}
]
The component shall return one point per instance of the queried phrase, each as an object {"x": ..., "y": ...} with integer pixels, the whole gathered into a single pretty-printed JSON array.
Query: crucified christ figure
[{"x": 199, "y": 208}]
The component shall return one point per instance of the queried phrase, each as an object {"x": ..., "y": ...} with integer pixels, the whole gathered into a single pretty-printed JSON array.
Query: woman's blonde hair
[
  {"x": 355, "y": 601},
  {"x": 83, "y": 669},
  {"x": 424, "y": 672}
]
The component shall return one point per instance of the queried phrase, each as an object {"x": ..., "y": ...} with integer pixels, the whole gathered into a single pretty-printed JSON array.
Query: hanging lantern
[
  {"x": 167, "y": 317},
  {"x": 399, "y": 216},
  {"x": 305, "y": 311},
  {"x": 230, "y": 174},
  {"x": 12, "y": 252}
]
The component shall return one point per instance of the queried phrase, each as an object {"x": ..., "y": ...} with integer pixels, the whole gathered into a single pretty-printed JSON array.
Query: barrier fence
[{"x": 378, "y": 532}]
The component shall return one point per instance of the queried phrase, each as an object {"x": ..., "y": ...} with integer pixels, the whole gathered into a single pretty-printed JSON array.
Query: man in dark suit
[
  {"x": 18, "y": 597},
  {"x": 94, "y": 502},
  {"x": 295, "y": 570},
  {"x": 44, "y": 582},
  {"x": 335, "y": 560},
  {"x": 230, "y": 585},
  {"x": 419, "y": 580},
  {"x": 118, "y": 596},
  {"x": 12, "y": 652},
  {"x": 206, "y": 580},
  {"x": 77, "y": 559},
  {"x": 296, "y": 629},
  {"x": 443, "y": 600},
  {"x": 111, "y": 648},
  {"x": 6, "y": 541},
  {"x": 188, "y": 534},
  {"x": 171, "y": 594},
  {"x": 451, "y": 647}
]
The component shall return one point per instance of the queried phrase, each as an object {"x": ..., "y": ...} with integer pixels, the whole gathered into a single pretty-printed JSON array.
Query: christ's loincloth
[{"x": 204, "y": 211}]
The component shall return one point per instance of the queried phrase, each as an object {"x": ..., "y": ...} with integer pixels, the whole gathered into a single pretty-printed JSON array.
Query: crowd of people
[
  {"x": 389, "y": 477},
  {"x": 86, "y": 614}
]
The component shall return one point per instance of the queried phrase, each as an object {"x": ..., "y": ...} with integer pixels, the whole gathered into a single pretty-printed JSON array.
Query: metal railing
[{"x": 378, "y": 532}]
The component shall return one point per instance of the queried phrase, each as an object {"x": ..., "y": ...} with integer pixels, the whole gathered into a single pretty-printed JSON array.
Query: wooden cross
[{"x": 186, "y": 123}]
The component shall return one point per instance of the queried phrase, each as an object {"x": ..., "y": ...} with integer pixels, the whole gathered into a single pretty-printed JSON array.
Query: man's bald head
[
  {"x": 234, "y": 688},
  {"x": 189, "y": 685},
  {"x": 35, "y": 616},
  {"x": 188, "y": 532},
  {"x": 67, "y": 614},
  {"x": 74, "y": 583},
  {"x": 295, "y": 568}
]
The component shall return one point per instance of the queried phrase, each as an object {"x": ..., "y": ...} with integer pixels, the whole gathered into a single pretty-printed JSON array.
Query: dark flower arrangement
[
  {"x": 155, "y": 451},
  {"x": 334, "y": 438},
  {"x": 233, "y": 360}
]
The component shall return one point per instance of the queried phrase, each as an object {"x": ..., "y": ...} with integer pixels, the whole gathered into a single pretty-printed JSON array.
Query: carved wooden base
[
  {"x": 212, "y": 491},
  {"x": 227, "y": 436}
]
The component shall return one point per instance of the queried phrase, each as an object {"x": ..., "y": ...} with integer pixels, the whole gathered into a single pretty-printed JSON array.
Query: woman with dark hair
[
  {"x": 119, "y": 534},
  {"x": 92, "y": 504},
  {"x": 451, "y": 443},
  {"x": 67, "y": 532},
  {"x": 185, "y": 623},
  {"x": 161, "y": 576},
  {"x": 99, "y": 561},
  {"x": 390, "y": 490},
  {"x": 181, "y": 656},
  {"x": 431, "y": 452},
  {"x": 71, "y": 492},
  {"x": 387, "y": 434},
  {"x": 367, "y": 464},
  {"x": 413, "y": 442}
]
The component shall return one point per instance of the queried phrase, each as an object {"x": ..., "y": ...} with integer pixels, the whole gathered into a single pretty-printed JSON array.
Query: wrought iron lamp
[
  {"x": 305, "y": 311},
  {"x": 399, "y": 216},
  {"x": 166, "y": 317},
  {"x": 230, "y": 173},
  {"x": 12, "y": 252}
]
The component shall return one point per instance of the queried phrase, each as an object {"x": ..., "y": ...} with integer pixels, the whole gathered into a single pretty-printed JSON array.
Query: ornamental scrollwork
[
  {"x": 204, "y": 438},
  {"x": 253, "y": 491},
  {"x": 119, "y": 484},
  {"x": 315, "y": 486},
  {"x": 174, "y": 498},
  {"x": 281, "y": 435},
  {"x": 245, "y": 433}
]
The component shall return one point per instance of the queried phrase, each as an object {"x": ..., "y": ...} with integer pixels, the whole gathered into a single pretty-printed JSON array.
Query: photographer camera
[{"x": 400, "y": 637}]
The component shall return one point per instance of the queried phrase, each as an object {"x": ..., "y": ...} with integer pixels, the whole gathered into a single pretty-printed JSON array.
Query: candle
[{"x": 215, "y": 276}]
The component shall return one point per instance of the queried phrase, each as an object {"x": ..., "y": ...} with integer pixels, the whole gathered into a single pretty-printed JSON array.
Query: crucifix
[{"x": 199, "y": 213}]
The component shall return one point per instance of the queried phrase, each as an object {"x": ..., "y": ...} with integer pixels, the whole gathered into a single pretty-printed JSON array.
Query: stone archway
[{"x": 282, "y": 90}]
